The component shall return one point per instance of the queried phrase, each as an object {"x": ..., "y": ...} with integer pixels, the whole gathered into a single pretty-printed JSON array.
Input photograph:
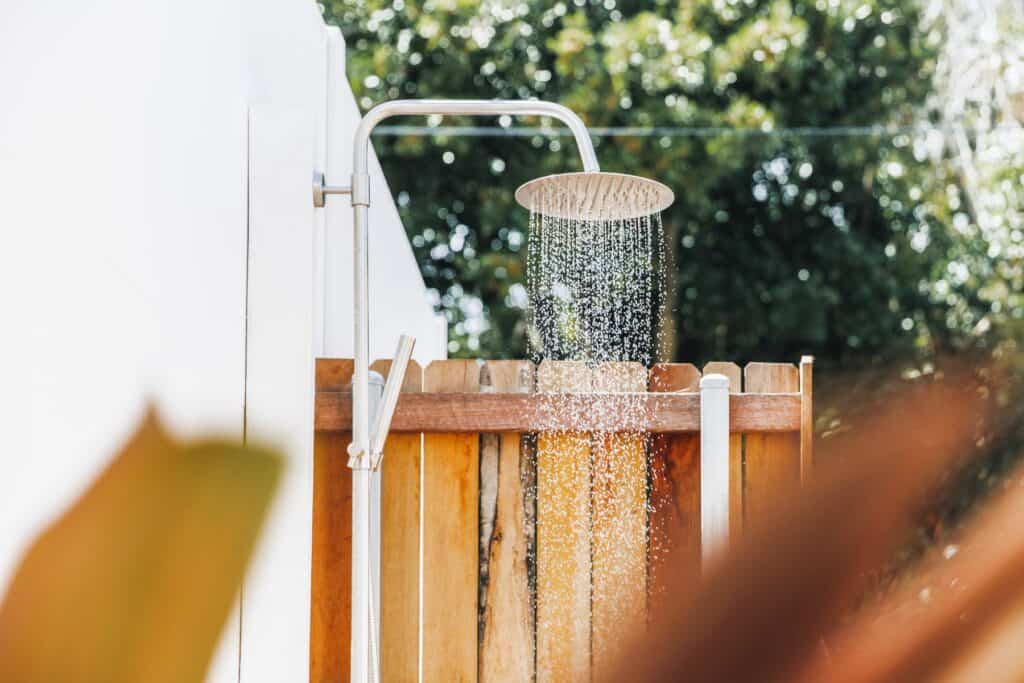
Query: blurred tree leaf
[{"x": 135, "y": 581}]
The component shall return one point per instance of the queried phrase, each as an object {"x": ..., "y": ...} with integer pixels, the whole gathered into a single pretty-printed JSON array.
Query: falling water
[{"x": 596, "y": 287}]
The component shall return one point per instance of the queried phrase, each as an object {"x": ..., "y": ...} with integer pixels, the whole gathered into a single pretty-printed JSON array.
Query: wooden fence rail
[
  {"x": 520, "y": 541},
  {"x": 627, "y": 411}
]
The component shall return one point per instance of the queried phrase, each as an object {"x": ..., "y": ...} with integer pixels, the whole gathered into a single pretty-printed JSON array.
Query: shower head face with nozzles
[
  {"x": 595, "y": 265},
  {"x": 595, "y": 196}
]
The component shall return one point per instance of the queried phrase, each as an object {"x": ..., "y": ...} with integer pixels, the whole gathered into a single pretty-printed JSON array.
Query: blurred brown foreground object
[
  {"x": 136, "y": 580},
  {"x": 969, "y": 627},
  {"x": 760, "y": 612}
]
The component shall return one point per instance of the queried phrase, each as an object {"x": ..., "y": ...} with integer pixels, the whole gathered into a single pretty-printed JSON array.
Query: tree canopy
[{"x": 816, "y": 211}]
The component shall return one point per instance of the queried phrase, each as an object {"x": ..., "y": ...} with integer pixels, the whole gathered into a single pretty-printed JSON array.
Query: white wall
[
  {"x": 393, "y": 269},
  {"x": 122, "y": 211},
  {"x": 155, "y": 161}
]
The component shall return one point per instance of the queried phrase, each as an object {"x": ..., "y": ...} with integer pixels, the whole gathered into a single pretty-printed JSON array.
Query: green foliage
[{"x": 785, "y": 241}]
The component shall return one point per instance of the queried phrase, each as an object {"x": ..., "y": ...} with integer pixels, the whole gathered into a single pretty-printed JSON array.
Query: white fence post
[{"x": 714, "y": 465}]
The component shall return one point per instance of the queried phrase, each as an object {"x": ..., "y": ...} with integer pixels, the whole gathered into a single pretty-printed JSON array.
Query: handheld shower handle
[{"x": 390, "y": 398}]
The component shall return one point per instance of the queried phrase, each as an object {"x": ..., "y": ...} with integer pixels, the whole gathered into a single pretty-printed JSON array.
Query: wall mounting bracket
[{"x": 321, "y": 189}]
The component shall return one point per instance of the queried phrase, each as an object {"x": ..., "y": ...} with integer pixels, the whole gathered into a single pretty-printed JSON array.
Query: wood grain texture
[
  {"x": 507, "y": 627},
  {"x": 674, "y": 525},
  {"x": 331, "y": 572},
  {"x": 806, "y": 417},
  {"x": 618, "y": 509},
  {"x": 736, "y": 457},
  {"x": 476, "y": 539},
  {"x": 771, "y": 461},
  {"x": 333, "y": 374},
  {"x": 563, "y": 536},
  {"x": 461, "y": 412},
  {"x": 450, "y": 536},
  {"x": 400, "y": 545}
]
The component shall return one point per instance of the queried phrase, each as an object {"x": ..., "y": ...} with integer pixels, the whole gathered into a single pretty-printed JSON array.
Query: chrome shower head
[{"x": 594, "y": 195}]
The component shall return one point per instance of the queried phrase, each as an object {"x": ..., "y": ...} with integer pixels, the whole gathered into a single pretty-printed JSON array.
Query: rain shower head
[{"x": 595, "y": 195}]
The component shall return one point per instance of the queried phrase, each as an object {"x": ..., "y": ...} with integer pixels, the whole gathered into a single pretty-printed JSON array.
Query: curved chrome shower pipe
[
  {"x": 362, "y": 459},
  {"x": 360, "y": 192}
]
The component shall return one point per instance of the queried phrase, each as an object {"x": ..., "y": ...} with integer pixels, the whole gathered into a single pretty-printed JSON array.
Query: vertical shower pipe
[{"x": 360, "y": 459}]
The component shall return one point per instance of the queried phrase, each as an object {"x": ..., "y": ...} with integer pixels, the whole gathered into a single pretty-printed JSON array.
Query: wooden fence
[{"x": 513, "y": 549}]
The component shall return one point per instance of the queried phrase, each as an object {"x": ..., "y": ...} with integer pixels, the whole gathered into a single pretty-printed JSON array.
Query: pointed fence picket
[
  {"x": 507, "y": 490},
  {"x": 331, "y": 576},
  {"x": 450, "y": 569},
  {"x": 518, "y": 548},
  {"x": 400, "y": 537},
  {"x": 563, "y": 536}
]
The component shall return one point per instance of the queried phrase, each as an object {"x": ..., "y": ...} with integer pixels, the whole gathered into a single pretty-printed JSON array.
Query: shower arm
[{"x": 362, "y": 439}]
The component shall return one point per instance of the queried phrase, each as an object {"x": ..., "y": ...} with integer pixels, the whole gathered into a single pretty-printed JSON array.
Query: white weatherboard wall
[{"x": 158, "y": 241}]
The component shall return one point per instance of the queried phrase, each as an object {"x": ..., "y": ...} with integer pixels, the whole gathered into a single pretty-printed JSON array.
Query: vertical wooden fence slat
[
  {"x": 450, "y": 537},
  {"x": 506, "y": 639},
  {"x": 331, "y": 578},
  {"x": 528, "y": 480},
  {"x": 806, "y": 416},
  {"x": 675, "y": 488},
  {"x": 772, "y": 461},
  {"x": 400, "y": 545},
  {"x": 736, "y": 457},
  {"x": 563, "y": 537},
  {"x": 618, "y": 508}
]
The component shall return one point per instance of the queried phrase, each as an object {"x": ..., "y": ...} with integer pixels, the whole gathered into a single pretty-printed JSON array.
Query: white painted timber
[
  {"x": 714, "y": 465},
  {"x": 393, "y": 270},
  {"x": 122, "y": 239},
  {"x": 155, "y": 162}
]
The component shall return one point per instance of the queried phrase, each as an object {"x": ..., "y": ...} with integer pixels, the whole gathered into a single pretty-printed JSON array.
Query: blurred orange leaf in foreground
[{"x": 136, "y": 580}]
